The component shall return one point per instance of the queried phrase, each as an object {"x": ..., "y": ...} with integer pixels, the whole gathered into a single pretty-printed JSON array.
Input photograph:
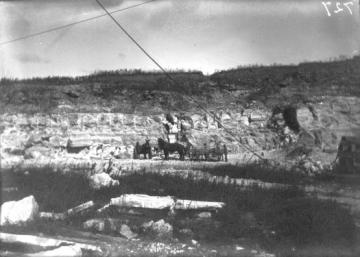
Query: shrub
[{"x": 305, "y": 220}]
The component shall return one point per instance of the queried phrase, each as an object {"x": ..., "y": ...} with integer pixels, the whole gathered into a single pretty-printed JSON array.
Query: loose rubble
[
  {"x": 109, "y": 225},
  {"x": 160, "y": 229}
]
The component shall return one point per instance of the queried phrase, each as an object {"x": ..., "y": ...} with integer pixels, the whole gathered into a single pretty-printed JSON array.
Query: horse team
[{"x": 184, "y": 149}]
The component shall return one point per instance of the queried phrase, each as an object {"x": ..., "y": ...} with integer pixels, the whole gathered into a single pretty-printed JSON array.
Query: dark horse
[
  {"x": 171, "y": 148},
  {"x": 144, "y": 149},
  {"x": 221, "y": 153}
]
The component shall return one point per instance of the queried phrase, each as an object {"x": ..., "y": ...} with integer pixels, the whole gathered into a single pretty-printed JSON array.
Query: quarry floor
[{"x": 343, "y": 189}]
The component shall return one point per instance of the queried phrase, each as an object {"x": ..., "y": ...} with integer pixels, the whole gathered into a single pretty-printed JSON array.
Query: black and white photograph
[{"x": 179, "y": 128}]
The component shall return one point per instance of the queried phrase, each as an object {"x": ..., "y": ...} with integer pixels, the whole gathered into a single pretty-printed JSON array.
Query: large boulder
[
  {"x": 162, "y": 229},
  {"x": 34, "y": 139},
  {"x": 13, "y": 141},
  {"x": 244, "y": 120},
  {"x": 311, "y": 167},
  {"x": 143, "y": 201},
  {"x": 199, "y": 121},
  {"x": 57, "y": 141},
  {"x": 102, "y": 180},
  {"x": 186, "y": 125},
  {"x": 306, "y": 140},
  {"x": 19, "y": 212},
  {"x": 125, "y": 231},
  {"x": 37, "y": 151},
  {"x": 99, "y": 225},
  {"x": 305, "y": 117},
  {"x": 225, "y": 116}
]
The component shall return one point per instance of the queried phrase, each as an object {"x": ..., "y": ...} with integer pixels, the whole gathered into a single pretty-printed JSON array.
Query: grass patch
[
  {"x": 52, "y": 190},
  {"x": 272, "y": 217},
  {"x": 265, "y": 173}
]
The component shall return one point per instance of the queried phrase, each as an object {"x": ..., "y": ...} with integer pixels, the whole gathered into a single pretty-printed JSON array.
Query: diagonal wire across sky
[{"x": 71, "y": 24}]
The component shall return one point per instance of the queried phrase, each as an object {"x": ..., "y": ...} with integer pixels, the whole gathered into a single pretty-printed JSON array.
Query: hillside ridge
[{"x": 303, "y": 109}]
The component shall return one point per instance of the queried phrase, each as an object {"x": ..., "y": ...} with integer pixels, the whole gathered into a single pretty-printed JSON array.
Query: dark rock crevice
[{"x": 290, "y": 118}]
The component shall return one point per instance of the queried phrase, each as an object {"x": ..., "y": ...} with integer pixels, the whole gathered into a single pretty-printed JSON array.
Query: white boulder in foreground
[
  {"x": 43, "y": 242},
  {"x": 63, "y": 251},
  {"x": 101, "y": 180},
  {"x": 19, "y": 212},
  {"x": 143, "y": 201},
  {"x": 197, "y": 205}
]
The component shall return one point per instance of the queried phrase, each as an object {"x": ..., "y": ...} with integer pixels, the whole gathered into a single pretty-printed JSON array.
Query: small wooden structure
[{"x": 349, "y": 154}]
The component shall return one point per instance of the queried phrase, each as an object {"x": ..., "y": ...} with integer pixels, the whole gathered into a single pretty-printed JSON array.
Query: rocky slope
[{"x": 290, "y": 111}]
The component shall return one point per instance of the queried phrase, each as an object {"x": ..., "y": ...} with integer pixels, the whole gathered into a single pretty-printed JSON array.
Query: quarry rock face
[
  {"x": 114, "y": 135},
  {"x": 19, "y": 212},
  {"x": 105, "y": 120}
]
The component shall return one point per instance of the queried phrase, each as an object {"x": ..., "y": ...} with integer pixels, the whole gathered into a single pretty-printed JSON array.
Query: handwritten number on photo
[
  {"x": 347, "y": 6},
  {"x": 339, "y": 9},
  {"x": 327, "y": 5}
]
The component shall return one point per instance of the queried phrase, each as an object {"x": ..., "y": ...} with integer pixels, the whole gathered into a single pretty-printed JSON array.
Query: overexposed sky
[{"x": 206, "y": 35}]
